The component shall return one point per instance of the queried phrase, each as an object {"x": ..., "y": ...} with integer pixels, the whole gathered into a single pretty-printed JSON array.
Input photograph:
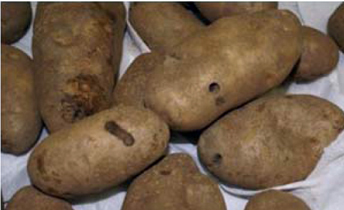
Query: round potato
[
  {"x": 28, "y": 198},
  {"x": 319, "y": 57},
  {"x": 15, "y": 20},
  {"x": 174, "y": 183},
  {"x": 273, "y": 200},
  {"x": 98, "y": 152},
  {"x": 336, "y": 26},
  {"x": 216, "y": 10},
  {"x": 20, "y": 119},
  {"x": 272, "y": 141}
]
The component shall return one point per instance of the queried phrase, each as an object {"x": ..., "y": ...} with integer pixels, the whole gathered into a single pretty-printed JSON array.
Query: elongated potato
[
  {"x": 73, "y": 56},
  {"x": 98, "y": 152},
  {"x": 174, "y": 183},
  {"x": 28, "y": 198},
  {"x": 15, "y": 20},
  {"x": 271, "y": 141},
  {"x": 336, "y": 26},
  {"x": 216, "y": 10},
  {"x": 20, "y": 119},
  {"x": 162, "y": 25},
  {"x": 223, "y": 66}
]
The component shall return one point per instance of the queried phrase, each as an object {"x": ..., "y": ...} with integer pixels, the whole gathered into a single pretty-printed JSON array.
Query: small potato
[
  {"x": 15, "y": 20},
  {"x": 319, "y": 57},
  {"x": 272, "y": 141},
  {"x": 174, "y": 183},
  {"x": 20, "y": 119},
  {"x": 336, "y": 26},
  {"x": 162, "y": 25},
  {"x": 98, "y": 152},
  {"x": 216, "y": 10},
  {"x": 28, "y": 198},
  {"x": 276, "y": 200}
]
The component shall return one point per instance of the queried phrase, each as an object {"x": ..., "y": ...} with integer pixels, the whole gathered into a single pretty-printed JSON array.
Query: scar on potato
[
  {"x": 165, "y": 172},
  {"x": 116, "y": 130},
  {"x": 217, "y": 159}
]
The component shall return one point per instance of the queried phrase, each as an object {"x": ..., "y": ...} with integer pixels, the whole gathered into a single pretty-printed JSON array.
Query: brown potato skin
[
  {"x": 218, "y": 69},
  {"x": 174, "y": 183},
  {"x": 216, "y": 10},
  {"x": 162, "y": 25},
  {"x": 20, "y": 119},
  {"x": 336, "y": 26},
  {"x": 73, "y": 56},
  {"x": 319, "y": 57},
  {"x": 28, "y": 198},
  {"x": 119, "y": 143},
  {"x": 15, "y": 20},
  {"x": 273, "y": 199},
  {"x": 272, "y": 141}
]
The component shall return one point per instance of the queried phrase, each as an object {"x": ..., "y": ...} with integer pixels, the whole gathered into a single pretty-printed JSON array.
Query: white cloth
[{"x": 322, "y": 190}]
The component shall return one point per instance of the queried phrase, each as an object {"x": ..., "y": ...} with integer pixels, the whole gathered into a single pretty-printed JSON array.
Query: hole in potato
[
  {"x": 217, "y": 159},
  {"x": 116, "y": 130},
  {"x": 214, "y": 87}
]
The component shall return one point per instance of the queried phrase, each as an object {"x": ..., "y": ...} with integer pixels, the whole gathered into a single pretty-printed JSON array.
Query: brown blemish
[
  {"x": 116, "y": 130},
  {"x": 165, "y": 172},
  {"x": 217, "y": 159},
  {"x": 261, "y": 107},
  {"x": 41, "y": 162},
  {"x": 219, "y": 101}
]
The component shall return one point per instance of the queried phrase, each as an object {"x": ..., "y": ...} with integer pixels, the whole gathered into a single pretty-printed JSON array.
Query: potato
[
  {"x": 174, "y": 183},
  {"x": 216, "y": 10},
  {"x": 73, "y": 56},
  {"x": 118, "y": 144},
  {"x": 223, "y": 66},
  {"x": 28, "y": 198},
  {"x": 319, "y": 57},
  {"x": 273, "y": 199},
  {"x": 20, "y": 118},
  {"x": 271, "y": 141},
  {"x": 336, "y": 26},
  {"x": 162, "y": 25},
  {"x": 15, "y": 20}
]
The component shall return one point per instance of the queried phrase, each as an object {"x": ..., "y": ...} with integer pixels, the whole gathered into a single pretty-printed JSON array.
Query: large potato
[
  {"x": 272, "y": 141},
  {"x": 98, "y": 152},
  {"x": 162, "y": 25},
  {"x": 319, "y": 57},
  {"x": 223, "y": 66},
  {"x": 336, "y": 26},
  {"x": 15, "y": 20},
  {"x": 276, "y": 200},
  {"x": 174, "y": 183},
  {"x": 216, "y": 10},
  {"x": 20, "y": 119},
  {"x": 28, "y": 198},
  {"x": 73, "y": 56}
]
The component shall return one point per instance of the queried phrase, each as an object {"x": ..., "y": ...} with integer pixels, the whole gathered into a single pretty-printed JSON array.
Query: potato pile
[{"x": 214, "y": 68}]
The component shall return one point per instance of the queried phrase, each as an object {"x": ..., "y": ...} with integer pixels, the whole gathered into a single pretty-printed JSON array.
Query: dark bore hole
[
  {"x": 214, "y": 87},
  {"x": 217, "y": 159},
  {"x": 113, "y": 128}
]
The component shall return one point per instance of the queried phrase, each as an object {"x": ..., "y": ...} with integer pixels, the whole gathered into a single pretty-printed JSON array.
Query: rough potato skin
[
  {"x": 336, "y": 26},
  {"x": 225, "y": 65},
  {"x": 216, "y": 10},
  {"x": 15, "y": 20},
  {"x": 162, "y": 25},
  {"x": 319, "y": 57},
  {"x": 73, "y": 56},
  {"x": 28, "y": 198},
  {"x": 273, "y": 199},
  {"x": 20, "y": 119},
  {"x": 174, "y": 183},
  {"x": 119, "y": 143},
  {"x": 271, "y": 141}
]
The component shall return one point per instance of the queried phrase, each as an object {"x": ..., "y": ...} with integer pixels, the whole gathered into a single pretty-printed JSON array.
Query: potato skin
[
  {"x": 216, "y": 10},
  {"x": 28, "y": 198},
  {"x": 73, "y": 56},
  {"x": 319, "y": 57},
  {"x": 20, "y": 119},
  {"x": 273, "y": 199},
  {"x": 336, "y": 26},
  {"x": 162, "y": 25},
  {"x": 15, "y": 20},
  {"x": 248, "y": 146},
  {"x": 119, "y": 143},
  {"x": 174, "y": 183},
  {"x": 200, "y": 78}
]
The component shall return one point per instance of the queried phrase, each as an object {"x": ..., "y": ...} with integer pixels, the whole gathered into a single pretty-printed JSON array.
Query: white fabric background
[{"x": 322, "y": 190}]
